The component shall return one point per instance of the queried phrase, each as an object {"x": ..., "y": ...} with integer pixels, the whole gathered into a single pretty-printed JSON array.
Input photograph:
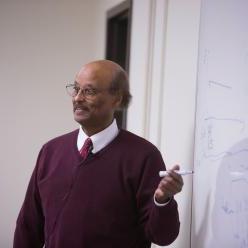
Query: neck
[{"x": 93, "y": 130}]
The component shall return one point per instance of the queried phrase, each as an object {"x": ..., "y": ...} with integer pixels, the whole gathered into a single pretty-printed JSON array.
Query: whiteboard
[{"x": 220, "y": 184}]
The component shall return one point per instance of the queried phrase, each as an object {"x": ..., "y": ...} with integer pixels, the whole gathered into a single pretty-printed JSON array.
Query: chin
[{"x": 80, "y": 120}]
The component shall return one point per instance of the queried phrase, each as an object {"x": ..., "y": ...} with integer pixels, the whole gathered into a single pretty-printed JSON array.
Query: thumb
[{"x": 175, "y": 167}]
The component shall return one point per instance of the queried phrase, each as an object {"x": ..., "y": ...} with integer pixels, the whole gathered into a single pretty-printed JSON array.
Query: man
[{"x": 99, "y": 186}]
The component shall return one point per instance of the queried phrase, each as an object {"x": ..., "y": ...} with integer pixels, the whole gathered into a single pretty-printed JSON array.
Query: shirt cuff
[{"x": 161, "y": 204}]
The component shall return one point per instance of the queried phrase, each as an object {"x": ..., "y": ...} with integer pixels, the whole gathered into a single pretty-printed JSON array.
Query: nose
[{"x": 79, "y": 96}]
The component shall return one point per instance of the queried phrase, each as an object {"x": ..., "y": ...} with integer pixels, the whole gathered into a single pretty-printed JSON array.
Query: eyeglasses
[{"x": 88, "y": 92}]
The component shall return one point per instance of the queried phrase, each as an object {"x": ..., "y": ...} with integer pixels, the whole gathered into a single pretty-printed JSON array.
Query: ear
[{"x": 118, "y": 100}]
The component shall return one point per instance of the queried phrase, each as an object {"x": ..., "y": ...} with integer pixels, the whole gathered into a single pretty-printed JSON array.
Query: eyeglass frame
[{"x": 82, "y": 91}]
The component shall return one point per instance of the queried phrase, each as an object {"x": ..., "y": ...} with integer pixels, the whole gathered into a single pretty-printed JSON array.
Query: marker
[{"x": 180, "y": 172}]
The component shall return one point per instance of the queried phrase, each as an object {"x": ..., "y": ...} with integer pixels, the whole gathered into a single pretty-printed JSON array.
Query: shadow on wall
[
  {"x": 230, "y": 210},
  {"x": 228, "y": 219}
]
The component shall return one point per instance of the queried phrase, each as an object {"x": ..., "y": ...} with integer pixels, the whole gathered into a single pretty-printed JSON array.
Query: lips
[{"x": 79, "y": 108}]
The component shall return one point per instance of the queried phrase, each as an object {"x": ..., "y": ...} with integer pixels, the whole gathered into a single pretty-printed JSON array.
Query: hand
[{"x": 169, "y": 185}]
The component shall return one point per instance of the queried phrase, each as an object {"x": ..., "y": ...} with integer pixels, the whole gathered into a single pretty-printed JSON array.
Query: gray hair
[{"x": 120, "y": 83}]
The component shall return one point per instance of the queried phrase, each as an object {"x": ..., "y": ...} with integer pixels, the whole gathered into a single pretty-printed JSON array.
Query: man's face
[{"x": 94, "y": 112}]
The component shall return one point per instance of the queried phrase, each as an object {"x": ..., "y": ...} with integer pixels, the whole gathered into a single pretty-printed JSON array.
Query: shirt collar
[{"x": 99, "y": 140}]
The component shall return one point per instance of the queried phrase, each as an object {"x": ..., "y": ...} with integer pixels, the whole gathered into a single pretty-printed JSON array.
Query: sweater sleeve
[
  {"x": 160, "y": 223},
  {"x": 30, "y": 222}
]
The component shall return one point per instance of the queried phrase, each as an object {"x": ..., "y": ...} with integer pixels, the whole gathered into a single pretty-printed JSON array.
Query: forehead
[{"x": 94, "y": 75}]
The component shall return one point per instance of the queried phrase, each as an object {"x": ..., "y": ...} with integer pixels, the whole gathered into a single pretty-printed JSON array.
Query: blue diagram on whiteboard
[{"x": 215, "y": 139}]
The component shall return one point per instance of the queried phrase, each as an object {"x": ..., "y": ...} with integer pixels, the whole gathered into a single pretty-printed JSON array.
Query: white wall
[
  {"x": 163, "y": 68},
  {"x": 179, "y": 99},
  {"x": 43, "y": 44}
]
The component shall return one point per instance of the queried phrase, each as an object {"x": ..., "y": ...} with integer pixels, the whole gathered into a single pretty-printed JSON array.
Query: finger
[
  {"x": 168, "y": 184},
  {"x": 175, "y": 167},
  {"x": 170, "y": 189},
  {"x": 175, "y": 176},
  {"x": 162, "y": 194}
]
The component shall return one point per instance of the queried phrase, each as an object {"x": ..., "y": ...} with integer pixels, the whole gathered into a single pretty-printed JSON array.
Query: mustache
[{"x": 80, "y": 106}]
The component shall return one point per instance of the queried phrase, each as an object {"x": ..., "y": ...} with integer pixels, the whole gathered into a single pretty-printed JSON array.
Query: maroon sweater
[{"x": 106, "y": 201}]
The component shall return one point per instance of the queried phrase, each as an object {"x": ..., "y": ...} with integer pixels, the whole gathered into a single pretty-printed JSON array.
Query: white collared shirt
[{"x": 99, "y": 140}]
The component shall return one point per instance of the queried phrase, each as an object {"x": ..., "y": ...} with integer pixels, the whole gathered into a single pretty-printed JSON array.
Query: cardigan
[{"x": 105, "y": 201}]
